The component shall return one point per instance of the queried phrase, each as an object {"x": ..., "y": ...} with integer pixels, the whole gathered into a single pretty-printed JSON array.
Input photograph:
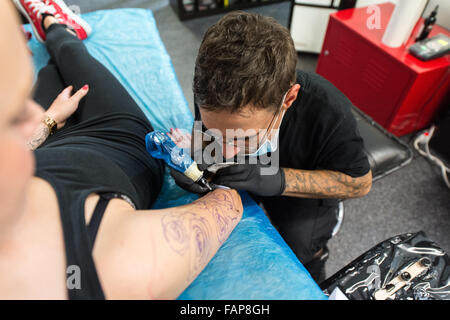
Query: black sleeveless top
[{"x": 79, "y": 165}]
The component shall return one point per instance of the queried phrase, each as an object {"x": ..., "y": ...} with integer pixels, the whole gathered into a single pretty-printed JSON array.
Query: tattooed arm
[
  {"x": 325, "y": 184},
  {"x": 156, "y": 254},
  {"x": 40, "y": 135},
  {"x": 61, "y": 109}
]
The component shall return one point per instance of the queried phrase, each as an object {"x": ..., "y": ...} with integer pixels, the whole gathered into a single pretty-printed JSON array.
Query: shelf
[{"x": 184, "y": 15}]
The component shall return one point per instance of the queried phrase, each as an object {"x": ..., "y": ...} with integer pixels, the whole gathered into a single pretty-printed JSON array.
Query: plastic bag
[{"x": 405, "y": 267}]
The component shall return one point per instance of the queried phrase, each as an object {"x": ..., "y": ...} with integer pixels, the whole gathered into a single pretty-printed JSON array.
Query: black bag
[{"x": 405, "y": 267}]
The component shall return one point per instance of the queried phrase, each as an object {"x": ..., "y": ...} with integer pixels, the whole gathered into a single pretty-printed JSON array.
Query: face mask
[
  {"x": 272, "y": 144},
  {"x": 268, "y": 146}
]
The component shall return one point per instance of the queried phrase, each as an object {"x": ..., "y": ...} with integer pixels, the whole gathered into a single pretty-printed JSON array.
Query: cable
[{"x": 424, "y": 138}]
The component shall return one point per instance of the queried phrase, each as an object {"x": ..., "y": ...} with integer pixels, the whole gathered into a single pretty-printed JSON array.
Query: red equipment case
[{"x": 399, "y": 91}]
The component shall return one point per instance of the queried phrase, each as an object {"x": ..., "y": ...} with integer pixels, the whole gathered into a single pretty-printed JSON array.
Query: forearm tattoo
[
  {"x": 39, "y": 136},
  {"x": 190, "y": 233},
  {"x": 325, "y": 184}
]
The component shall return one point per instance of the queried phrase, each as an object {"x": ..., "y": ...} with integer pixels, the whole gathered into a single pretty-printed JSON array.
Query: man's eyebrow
[
  {"x": 204, "y": 128},
  {"x": 245, "y": 115},
  {"x": 234, "y": 138}
]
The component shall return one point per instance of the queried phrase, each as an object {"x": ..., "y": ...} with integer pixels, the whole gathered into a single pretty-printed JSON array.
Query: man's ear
[{"x": 291, "y": 96}]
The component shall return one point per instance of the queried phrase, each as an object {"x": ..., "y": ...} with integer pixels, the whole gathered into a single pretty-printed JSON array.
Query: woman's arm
[
  {"x": 157, "y": 254},
  {"x": 60, "y": 110},
  {"x": 39, "y": 136}
]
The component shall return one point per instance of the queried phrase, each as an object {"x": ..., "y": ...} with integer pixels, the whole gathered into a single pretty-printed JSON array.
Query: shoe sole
[
  {"x": 25, "y": 13},
  {"x": 87, "y": 28}
]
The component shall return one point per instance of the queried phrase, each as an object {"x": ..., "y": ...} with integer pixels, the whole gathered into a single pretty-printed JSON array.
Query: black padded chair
[{"x": 385, "y": 151}]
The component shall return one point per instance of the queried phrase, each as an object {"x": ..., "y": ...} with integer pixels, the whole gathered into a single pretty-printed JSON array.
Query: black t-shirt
[{"x": 319, "y": 132}]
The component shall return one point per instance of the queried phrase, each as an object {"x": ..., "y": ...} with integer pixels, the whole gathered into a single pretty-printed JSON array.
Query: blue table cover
[{"x": 255, "y": 262}]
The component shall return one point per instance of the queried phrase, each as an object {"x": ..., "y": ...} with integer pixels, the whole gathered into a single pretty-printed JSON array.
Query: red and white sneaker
[
  {"x": 70, "y": 18},
  {"x": 34, "y": 9}
]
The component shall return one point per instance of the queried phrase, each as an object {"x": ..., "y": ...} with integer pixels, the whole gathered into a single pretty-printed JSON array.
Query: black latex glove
[
  {"x": 187, "y": 184},
  {"x": 249, "y": 177}
]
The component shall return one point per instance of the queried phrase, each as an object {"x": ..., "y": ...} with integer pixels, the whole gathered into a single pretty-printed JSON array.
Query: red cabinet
[{"x": 399, "y": 91}]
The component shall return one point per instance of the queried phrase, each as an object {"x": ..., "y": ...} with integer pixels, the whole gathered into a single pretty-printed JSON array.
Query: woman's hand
[
  {"x": 181, "y": 138},
  {"x": 66, "y": 104}
]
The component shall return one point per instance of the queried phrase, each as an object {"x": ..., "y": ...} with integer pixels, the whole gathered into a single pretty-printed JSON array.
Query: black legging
[
  {"x": 107, "y": 119},
  {"x": 71, "y": 64}
]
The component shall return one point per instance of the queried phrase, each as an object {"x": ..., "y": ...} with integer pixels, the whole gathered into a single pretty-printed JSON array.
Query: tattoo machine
[{"x": 161, "y": 146}]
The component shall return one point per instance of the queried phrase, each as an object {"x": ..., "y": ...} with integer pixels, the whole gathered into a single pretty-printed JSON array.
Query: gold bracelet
[{"x": 50, "y": 123}]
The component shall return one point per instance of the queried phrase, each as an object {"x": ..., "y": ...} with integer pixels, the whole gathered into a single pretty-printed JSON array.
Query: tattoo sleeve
[
  {"x": 197, "y": 231},
  {"x": 39, "y": 136},
  {"x": 325, "y": 184}
]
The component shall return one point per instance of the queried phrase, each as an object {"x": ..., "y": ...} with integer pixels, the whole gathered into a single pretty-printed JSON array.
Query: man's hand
[
  {"x": 252, "y": 178},
  {"x": 187, "y": 184},
  {"x": 66, "y": 104},
  {"x": 183, "y": 140}
]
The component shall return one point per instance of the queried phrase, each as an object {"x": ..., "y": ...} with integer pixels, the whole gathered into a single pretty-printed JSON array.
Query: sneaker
[
  {"x": 74, "y": 21},
  {"x": 33, "y": 10}
]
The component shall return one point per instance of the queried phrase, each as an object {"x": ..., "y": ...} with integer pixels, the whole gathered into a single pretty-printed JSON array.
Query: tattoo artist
[{"x": 245, "y": 78}]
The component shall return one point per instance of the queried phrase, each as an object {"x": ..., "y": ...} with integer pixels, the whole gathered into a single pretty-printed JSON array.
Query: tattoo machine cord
[{"x": 424, "y": 139}]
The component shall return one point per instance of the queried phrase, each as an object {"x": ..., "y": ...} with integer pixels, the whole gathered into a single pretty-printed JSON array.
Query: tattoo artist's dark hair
[{"x": 244, "y": 59}]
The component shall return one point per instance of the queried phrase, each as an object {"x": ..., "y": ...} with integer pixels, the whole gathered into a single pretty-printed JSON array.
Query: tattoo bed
[{"x": 255, "y": 262}]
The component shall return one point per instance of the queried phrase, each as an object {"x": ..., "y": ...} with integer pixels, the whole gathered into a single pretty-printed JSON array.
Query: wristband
[{"x": 50, "y": 123}]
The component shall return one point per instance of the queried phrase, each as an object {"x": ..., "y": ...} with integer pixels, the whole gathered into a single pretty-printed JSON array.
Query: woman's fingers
[
  {"x": 183, "y": 134},
  {"x": 66, "y": 93},
  {"x": 180, "y": 138},
  {"x": 80, "y": 94},
  {"x": 175, "y": 134},
  {"x": 66, "y": 104}
]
